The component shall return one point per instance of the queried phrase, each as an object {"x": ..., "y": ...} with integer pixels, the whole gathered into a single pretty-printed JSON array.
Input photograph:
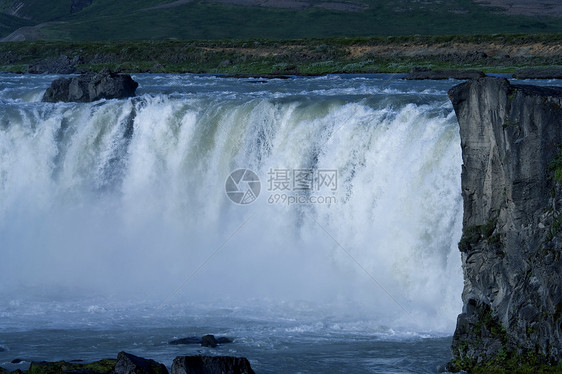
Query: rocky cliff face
[{"x": 512, "y": 228}]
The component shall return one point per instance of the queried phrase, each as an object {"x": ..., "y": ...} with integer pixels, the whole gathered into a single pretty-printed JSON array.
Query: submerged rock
[
  {"x": 91, "y": 87},
  {"x": 189, "y": 340},
  {"x": 511, "y": 248},
  {"x": 205, "y": 341},
  {"x": 211, "y": 365},
  {"x": 538, "y": 74},
  {"x": 131, "y": 364},
  {"x": 422, "y": 73}
]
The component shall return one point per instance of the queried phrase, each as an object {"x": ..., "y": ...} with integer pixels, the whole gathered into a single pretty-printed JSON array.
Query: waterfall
[{"x": 359, "y": 208}]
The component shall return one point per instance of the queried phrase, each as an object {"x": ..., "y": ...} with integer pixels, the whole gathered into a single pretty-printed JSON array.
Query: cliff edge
[{"x": 511, "y": 139}]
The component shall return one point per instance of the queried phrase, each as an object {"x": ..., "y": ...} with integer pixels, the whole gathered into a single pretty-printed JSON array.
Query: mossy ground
[
  {"x": 98, "y": 367},
  {"x": 299, "y": 56}
]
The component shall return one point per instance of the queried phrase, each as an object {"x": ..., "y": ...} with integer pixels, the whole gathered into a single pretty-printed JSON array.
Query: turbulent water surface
[{"x": 116, "y": 232}]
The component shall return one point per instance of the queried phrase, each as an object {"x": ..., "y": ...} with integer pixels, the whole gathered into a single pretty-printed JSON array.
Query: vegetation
[
  {"x": 98, "y": 367},
  {"x": 506, "y": 360},
  {"x": 297, "y": 56},
  {"x": 218, "y": 19},
  {"x": 473, "y": 234}
]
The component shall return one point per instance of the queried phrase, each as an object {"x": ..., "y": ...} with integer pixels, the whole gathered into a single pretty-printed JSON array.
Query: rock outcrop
[
  {"x": 211, "y": 365},
  {"x": 99, "y": 367},
  {"x": 127, "y": 363},
  {"x": 91, "y": 87},
  {"x": 512, "y": 227},
  {"x": 131, "y": 364},
  {"x": 422, "y": 73},
  {"x": 57, "y": 65},
  {"x": 538, "y": 74}
]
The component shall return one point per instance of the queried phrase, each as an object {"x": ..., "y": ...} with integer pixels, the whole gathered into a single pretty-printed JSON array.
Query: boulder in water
[
  {"x": 90, "y": 87},
  {"x": 205, "y": 341},
  {"x": 209, "y": 341},
  {"x": 211, "y": 365},
  {"x": 131, "y": 364}
]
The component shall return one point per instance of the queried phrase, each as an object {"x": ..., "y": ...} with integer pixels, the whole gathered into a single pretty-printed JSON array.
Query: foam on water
[{"x": 114, "y": 213}]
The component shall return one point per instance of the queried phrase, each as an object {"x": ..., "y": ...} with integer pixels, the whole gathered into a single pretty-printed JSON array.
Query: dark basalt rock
[
  {"x": 211, "y": 365},
  {"x": 131, "y": 364},
  {"x": 205, "y": 341},
  {"x": 538, "y": 74},
  {"x": 91, "y": 87},
  {"x": 59, "y": 65},
  {"x": 209, "y": 341},
  {"x": 422, "y": 73},
  {"x": 189, "y": 340},
  {"x": 512, "y": 226}
]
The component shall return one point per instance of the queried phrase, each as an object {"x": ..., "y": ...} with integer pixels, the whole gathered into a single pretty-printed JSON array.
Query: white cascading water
[{"x": 125, "y": 200}]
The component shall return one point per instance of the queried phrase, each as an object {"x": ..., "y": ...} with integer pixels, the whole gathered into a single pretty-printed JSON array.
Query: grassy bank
[
  {"x": 490, "y": 53},
  {"x": 274, "y": 19}
]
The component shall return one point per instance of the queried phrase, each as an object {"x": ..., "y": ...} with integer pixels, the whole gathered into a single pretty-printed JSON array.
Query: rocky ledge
[
  {"x": 90, "y": 87},
  {"x": 127, "y": 363},
  {"x": 511, "y": 138},
  {"x": 538, "y": 74},
  {"x": 423, "y": 73}
]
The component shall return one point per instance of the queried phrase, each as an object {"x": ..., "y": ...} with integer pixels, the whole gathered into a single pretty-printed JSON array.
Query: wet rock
[
  {"x": 209, "y": 341},
  {"x": 422, "y": 73},
  {"x": 91, "y": 87},
  {"x": 538, "y": 74},
  {"x": 131, "y": 364},
  {"x": 205, "y": 341},
  {"x": 189, "y": 340},
  {"x": 211, "y": 365},
  {"x": 58, "y": 65},
  {"x": 512, "y": 192}
]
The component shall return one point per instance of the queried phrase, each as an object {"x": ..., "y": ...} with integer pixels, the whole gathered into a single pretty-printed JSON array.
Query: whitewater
[{"x": 118, "y": 229}]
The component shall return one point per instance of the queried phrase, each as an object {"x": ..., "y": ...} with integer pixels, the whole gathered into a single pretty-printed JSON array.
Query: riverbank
[{"x": 489, "y": 53}]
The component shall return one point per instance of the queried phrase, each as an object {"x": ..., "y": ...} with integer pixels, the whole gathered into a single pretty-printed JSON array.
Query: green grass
[
  {"x": 122, "y": 20},
  {"x": 295, "y": 56},
  {"x": 9, "y": 23}
]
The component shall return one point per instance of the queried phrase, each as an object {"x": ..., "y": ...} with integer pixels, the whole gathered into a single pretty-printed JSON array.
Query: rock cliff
[{"x": 512, "y": 227}]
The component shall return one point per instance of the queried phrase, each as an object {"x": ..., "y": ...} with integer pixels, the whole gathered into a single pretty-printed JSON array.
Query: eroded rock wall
[{"x": 511, "y": 244}]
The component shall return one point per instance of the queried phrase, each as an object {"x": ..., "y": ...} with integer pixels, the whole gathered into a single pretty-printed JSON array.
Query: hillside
[{"x": 90, "y": 20}]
